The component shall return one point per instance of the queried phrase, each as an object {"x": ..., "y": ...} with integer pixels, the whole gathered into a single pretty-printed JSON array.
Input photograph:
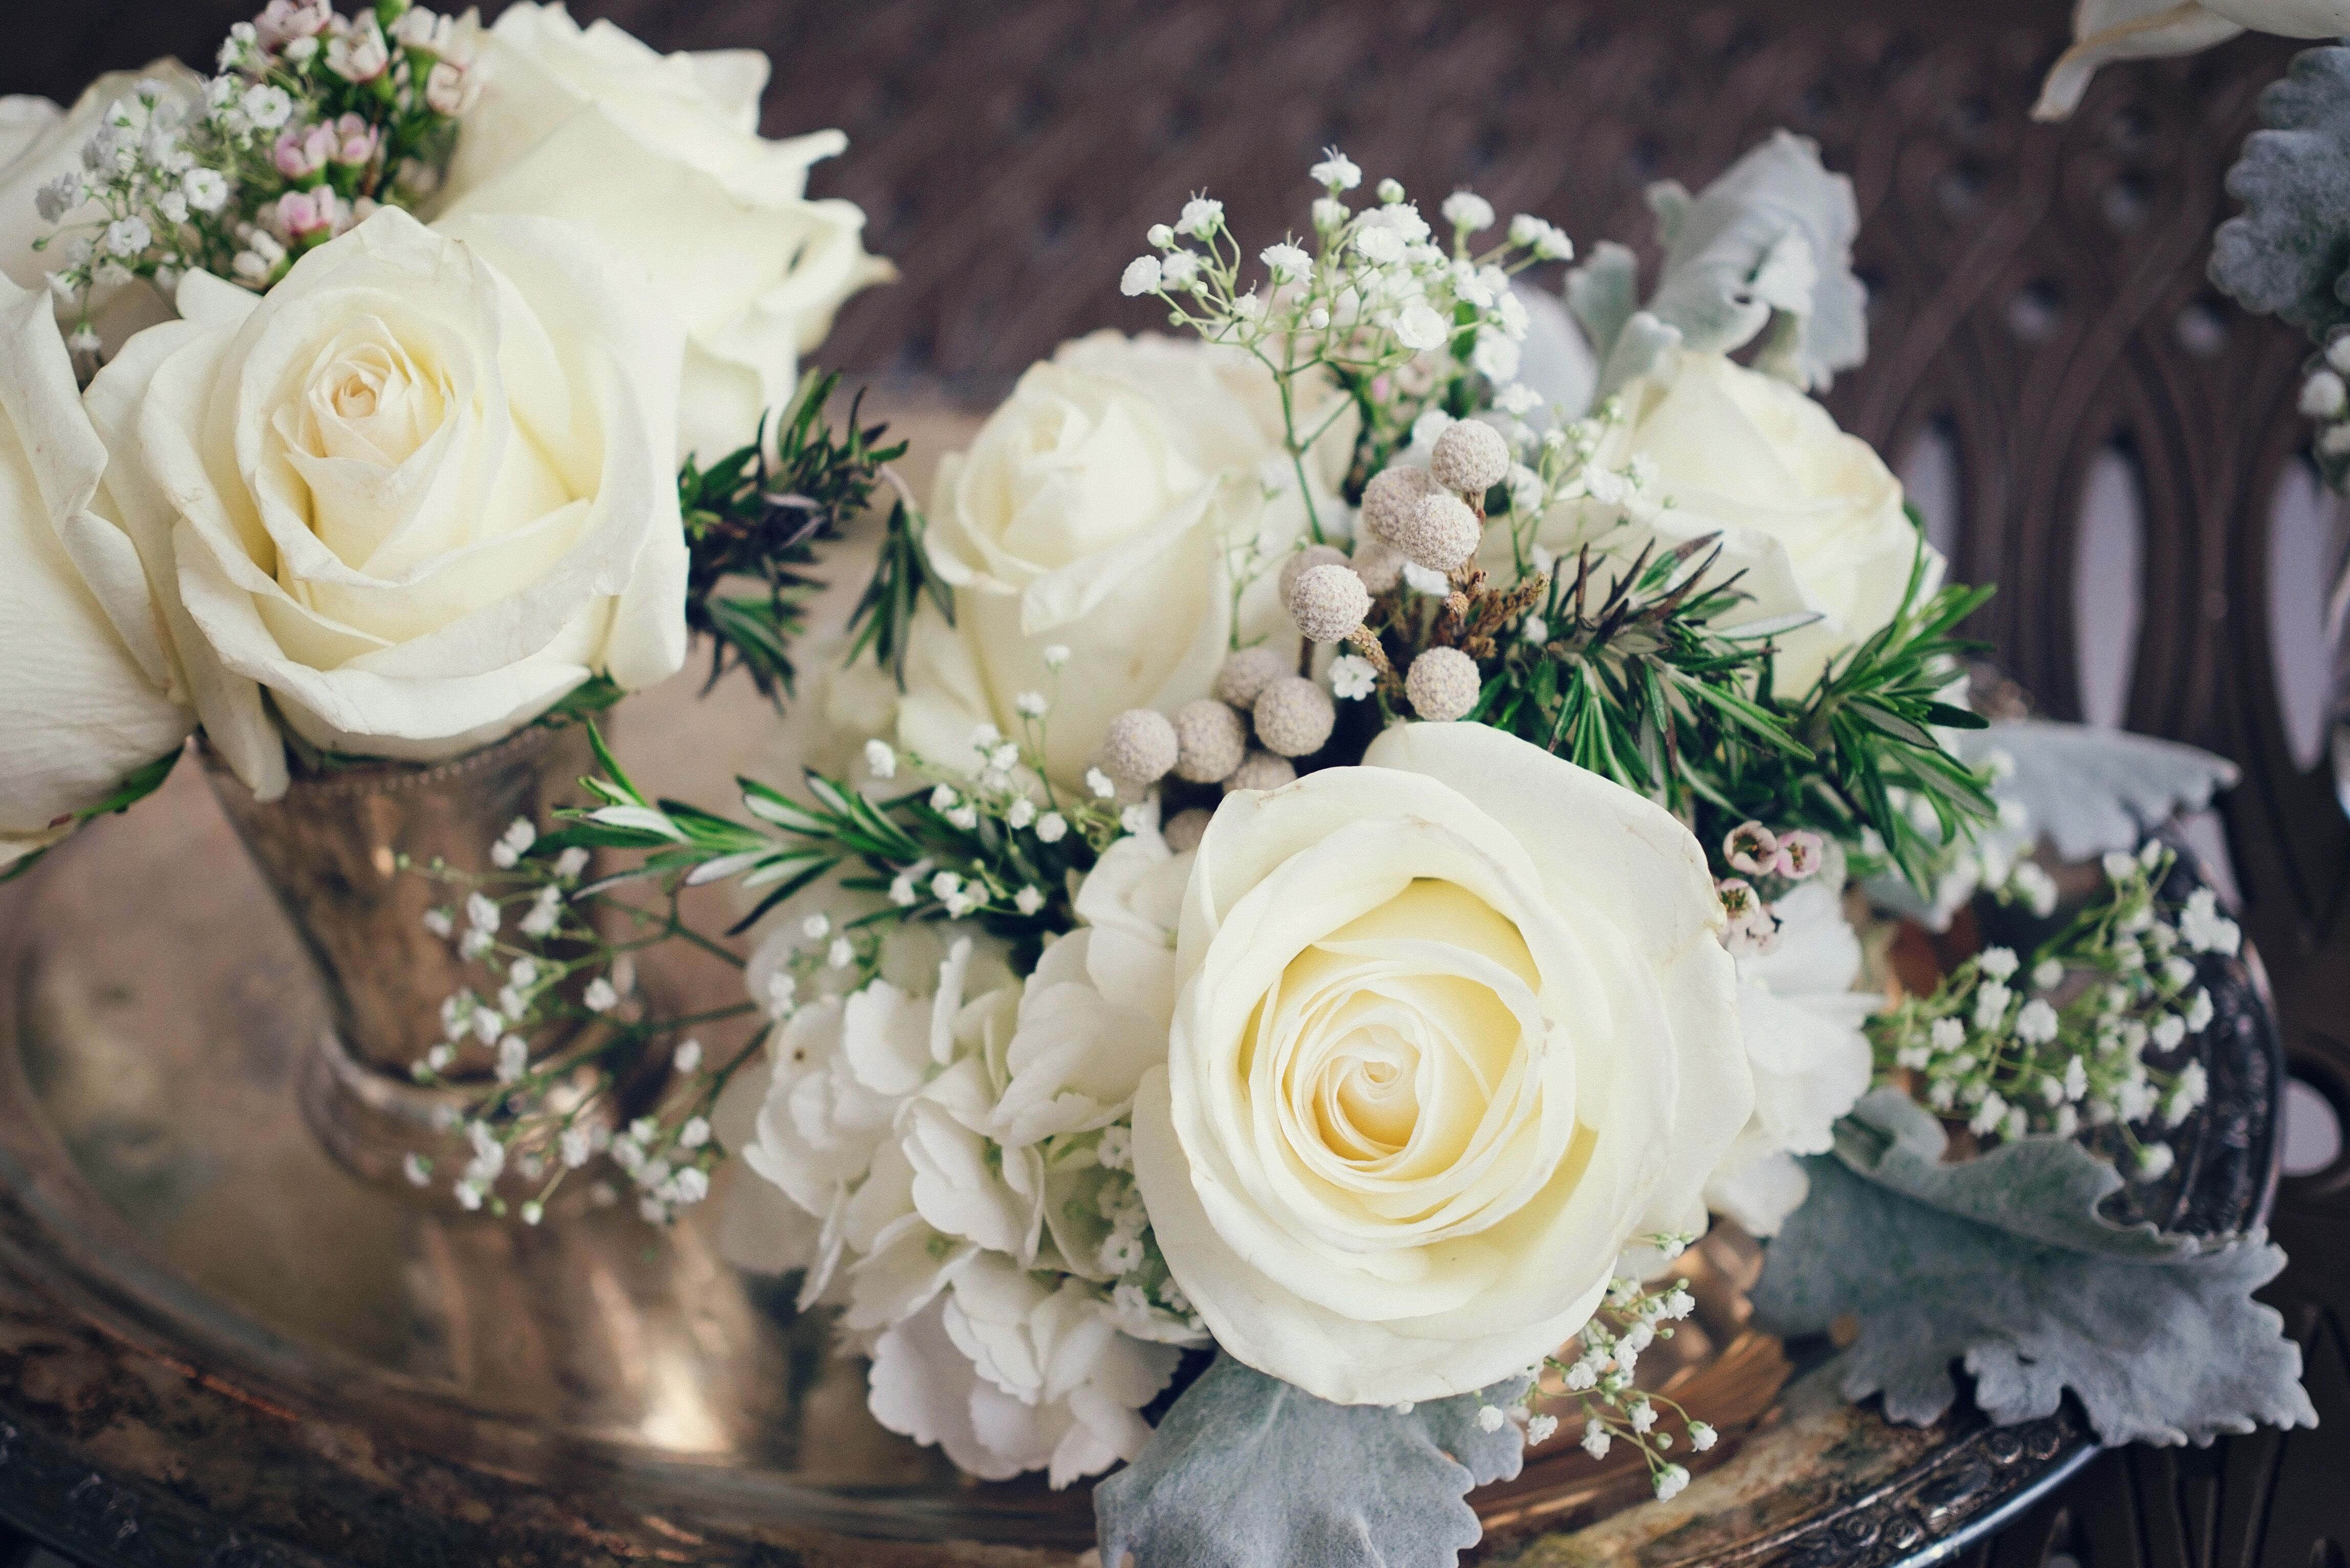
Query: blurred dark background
[{"x": 2080, "y": 415}]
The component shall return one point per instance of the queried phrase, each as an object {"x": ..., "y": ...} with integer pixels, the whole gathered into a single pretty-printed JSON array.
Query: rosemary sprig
[{"x": 746, "y": 517}]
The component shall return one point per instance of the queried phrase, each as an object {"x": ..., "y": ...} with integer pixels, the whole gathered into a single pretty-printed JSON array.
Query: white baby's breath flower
[
  {"x": 1028, "y": 900},
  {"x": 1052, "y": 827},
  {"x": 1352, "y": 677},
  {"x": 1201, "y": 217},
  {"x": 1099, "y": 784},
  {"x": 1336, "y": 172},
  {"x": 600, "y": 996},
  {"x": 1468, "y": 212},
  {"x": 1056, "y": 655},
  {"x": 687, "y": 1058},
  {"x": 1032, "y": 704},
  {"x": 1141, "y": 276},
  {"x": 1287, "y": 263}
]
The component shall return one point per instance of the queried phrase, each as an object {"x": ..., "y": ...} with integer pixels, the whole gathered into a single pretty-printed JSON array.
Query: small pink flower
[
  {"x": 1751, "y": 847},
  {"x": 283, "y": 21},
  {"x": 1754, "y": 928},
  {"x": 354, "y": 140},
  {"x": 300, "y": 216},
  {"x": 358, "y": 53},
  {"x": 1800, "y": 854},
  {"x": 302, "y": 150}
]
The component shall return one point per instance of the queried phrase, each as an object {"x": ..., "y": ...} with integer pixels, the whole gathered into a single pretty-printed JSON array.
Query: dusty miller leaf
[
  {"x": 1771, "y": 241},
  {"x": 1247, "y": 1471},
  {"x": 2002, "y": 1263},
  {"x": 2287, "y": 254},
  {"x": 2094, "y": 790},
  {"x": 2087, "y": 790}
]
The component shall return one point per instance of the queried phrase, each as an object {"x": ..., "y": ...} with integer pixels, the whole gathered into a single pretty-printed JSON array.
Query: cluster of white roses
[
  {"x": 1374, "y": 1078},
  {"x": 424, "y": 486}
]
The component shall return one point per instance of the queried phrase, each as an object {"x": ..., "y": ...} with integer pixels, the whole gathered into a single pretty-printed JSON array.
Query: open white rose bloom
[
  {"x": 1811, "y": 514},
  {"x": 1455, "y": 1030},
  {"x": 656, "y": 159},
  {"x": 416, "y": 494},
  {"x": 1112, "y": 507}
]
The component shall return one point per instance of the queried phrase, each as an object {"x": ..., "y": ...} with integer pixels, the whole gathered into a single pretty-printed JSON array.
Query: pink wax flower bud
[
  {"x": 302, "y": 150},
  {"x": 300, "y": 216},
  {"x": 358, "y": 53},
  {"x": 1800, "y": 853},
  {"x": 354, "y": 141},
  {"x": 449, "y": 88},
  {"x": 283, "y": 21}
]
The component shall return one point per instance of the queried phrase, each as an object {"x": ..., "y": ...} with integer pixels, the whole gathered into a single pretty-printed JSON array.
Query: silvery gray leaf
[
  {"x": 1772, "y": 237},
  {"x": 2287, "y": 254},
  {"x": 1247, "y": 1471},
  {"x": 2090, "y": 790},
  {"x": 1557, "y": 359},
  {"x": 2086, "y": 790},
  {"x": 1603, "y": 293},
  {"x": 2010, "y": 1272}
]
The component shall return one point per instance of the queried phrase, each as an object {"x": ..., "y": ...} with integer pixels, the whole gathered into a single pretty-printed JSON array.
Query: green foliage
[
  {"x": 1245, "y": 1471},
  {"x": 1008, "y": 878},
  {"x": 884, "y": 617},
  {"x": 1640, "y": 680},
  {"x": 2002, "y": 1264},
  {"x": 747, "y": 518}
]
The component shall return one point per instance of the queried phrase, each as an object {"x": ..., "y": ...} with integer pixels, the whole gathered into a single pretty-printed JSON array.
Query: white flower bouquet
[{"x": 1336, "y": 846}]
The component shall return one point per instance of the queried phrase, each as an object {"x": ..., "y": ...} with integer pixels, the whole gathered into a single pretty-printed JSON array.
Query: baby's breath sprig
[
  {"x": 1598, "y": 1378},
  {"x": 314, "y": 120},
  {"x": 555, "y": 1032},
  {"x": 1398, "y": 323},
  {"x": 2056, "y": 1040}
]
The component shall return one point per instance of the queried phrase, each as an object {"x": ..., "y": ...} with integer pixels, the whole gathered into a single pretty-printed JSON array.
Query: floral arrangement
[{"x": 1338, "y": 844}]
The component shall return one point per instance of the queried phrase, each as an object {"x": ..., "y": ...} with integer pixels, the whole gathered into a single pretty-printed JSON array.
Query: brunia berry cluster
[
  {"x": 314, "y": 119},
  {"x": 2060, "y": 1039}
]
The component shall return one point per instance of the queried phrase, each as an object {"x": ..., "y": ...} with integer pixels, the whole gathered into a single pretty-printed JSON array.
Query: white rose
[
  {"x": 2108, "y": 30},
  {"x": 1100, "y": 508},
  {"x": 1811, "y": 515},
  {"x": 658, "y": 159},
  {"x": 38, "y": 142},
  {"x": 1456, "y": 1028},
  {"x": 88, "y": 692},
  {"x": 417, "y": 493},
  {"x": 1007, "y": 1375},
  {"x": 1801, "y": 1021}
]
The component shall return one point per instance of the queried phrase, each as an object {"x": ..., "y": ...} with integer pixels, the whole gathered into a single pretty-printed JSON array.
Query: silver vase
[{"x": 344, "y": 853}]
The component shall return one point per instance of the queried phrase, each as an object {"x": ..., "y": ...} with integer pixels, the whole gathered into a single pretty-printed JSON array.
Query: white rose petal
[
  {"x": 656, "y": 159},
  {"x": 90, "y": 692}
]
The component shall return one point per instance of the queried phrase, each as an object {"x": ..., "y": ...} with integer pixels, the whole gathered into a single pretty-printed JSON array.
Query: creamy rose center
[
  {"x": 1397, "y": 1055},
  {"x": 368, "y": 399}
]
